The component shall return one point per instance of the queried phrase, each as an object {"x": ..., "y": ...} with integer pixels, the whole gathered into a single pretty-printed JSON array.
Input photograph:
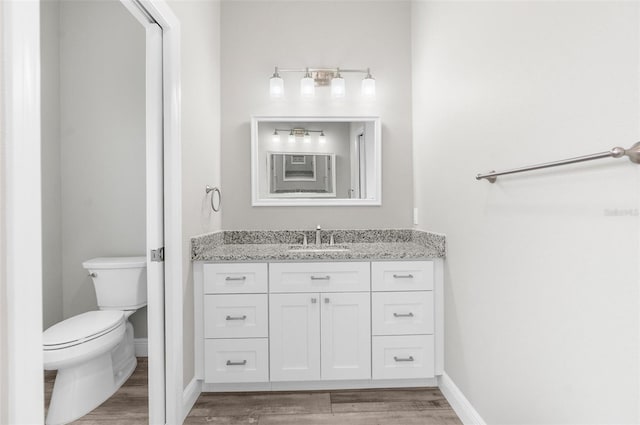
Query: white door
[
  {"x": 294, "y": 337},
  {"x": 155, "y": 223},
  {"x": 346, "y": 336}
]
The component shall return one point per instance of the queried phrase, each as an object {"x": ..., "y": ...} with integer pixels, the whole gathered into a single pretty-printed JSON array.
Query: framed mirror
[{"x": 300, "y": 161}]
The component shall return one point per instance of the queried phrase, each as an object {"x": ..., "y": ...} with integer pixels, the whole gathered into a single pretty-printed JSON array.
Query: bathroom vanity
[{"x": 272, "y": 314}]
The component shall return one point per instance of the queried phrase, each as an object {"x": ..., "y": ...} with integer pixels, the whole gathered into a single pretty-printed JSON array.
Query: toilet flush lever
[{"x": 93, "y": 274}]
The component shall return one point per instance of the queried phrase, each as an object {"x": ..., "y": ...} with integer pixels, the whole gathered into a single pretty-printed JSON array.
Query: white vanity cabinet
[
  {"x": 320, "y": 335},
  {"x": 403, "y": 319},
  {"x": 318, "y": 325},
  {"x": 235, "y": 323}
]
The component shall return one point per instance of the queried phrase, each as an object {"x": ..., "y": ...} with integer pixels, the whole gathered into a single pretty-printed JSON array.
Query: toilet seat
[{"x": 80, "y": 329}]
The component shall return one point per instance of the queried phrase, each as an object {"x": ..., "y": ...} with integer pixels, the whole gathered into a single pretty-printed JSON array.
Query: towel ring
[{"x": 214, "y": 190}]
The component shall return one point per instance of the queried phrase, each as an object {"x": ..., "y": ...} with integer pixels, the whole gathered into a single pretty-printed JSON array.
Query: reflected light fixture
[
  {"x": 275, "y": 137},
  {"x": 322, "y": 138},
  {"x": 307, "y": 137},
  {"x": 276, "y": 85},
  {"x": 295, "y": 133},
  {"x": 321, "y": 77},
  {"x": 307, "y": 85},
  {"x": 369, "y": 86},
  {"x": 292, "y": 137}
]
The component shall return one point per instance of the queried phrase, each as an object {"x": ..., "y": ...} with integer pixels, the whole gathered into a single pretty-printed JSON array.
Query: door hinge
[{"x": 157, "y": 255}]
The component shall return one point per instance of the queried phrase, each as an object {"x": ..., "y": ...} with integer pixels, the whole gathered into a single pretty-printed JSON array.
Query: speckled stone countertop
[{"x": 379, "y": 244}]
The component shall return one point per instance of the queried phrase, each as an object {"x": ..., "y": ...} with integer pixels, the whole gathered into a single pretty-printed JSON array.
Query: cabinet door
[
  {"x": 346, "y": 336},
  {"x": 294, "y": 337}
]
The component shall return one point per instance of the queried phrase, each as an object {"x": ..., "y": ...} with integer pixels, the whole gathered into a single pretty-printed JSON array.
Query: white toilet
[{"x": 93, "y": 352}]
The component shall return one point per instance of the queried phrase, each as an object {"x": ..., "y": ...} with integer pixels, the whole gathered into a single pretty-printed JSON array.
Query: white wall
[
  {"x": 4, "y": 336},
  {"x": 200, "y": 32},
  {"x": 258, "y": 35},
  {"x": 541, "y": 272},
  {"x": 52, "y": 292},
  {"x": 102, "y": 125}
]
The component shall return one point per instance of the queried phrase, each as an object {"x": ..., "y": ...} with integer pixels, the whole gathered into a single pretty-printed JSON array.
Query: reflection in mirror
[
  {"x": 316, "y": 161},
  {"x": 298, "y": 174}
]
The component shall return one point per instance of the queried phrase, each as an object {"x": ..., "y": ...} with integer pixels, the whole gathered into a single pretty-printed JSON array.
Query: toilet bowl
[{"x": 93, "y": 351}]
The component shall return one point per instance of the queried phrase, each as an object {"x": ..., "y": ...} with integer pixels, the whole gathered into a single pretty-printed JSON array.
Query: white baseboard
[
  {"x": 141, "y": 347},
  {"x": 190, "y": 396},
  {"x": 459, "y": 402}
]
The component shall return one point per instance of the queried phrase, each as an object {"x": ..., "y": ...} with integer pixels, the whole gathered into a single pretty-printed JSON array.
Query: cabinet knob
[
  {"x": 327, "y": 300},
  {"x": 314, "y": 300}
]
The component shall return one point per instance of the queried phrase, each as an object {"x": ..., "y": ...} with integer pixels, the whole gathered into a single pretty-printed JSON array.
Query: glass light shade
[
  {"x": 307, "y": 138},
  {"x": 292, "y": 138},
  {"x": 369, "y": 88},
  {"x": 276, "y": 87},
  {"x": 275, "y": 137},
  {"x": 307, "y": 87},
  {"x": 322, "y": 139},
  {"x": 338, "y": 87}
]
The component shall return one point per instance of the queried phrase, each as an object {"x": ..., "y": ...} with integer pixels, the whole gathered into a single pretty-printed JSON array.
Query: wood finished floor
[{"x": 419, "y": 406}]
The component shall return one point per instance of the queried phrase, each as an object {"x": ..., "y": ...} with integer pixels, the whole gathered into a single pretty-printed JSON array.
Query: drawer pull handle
[
  {"x": 403, "y": 276},
  {"x": 400, "y": 359},
  {"x": 320, "y": 277},
  {"x": 243, "y": 317},
  {"x": 403, "y": 314},
  {"x": 242, "y": 363},
  {"x": 229, "y": 278}
]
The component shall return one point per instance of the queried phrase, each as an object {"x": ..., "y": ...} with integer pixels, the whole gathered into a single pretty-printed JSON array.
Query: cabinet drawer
[
  {"x": 400, "y": 357},
  {"x": 236, "y": 360},
  {"x": 235, "y": 278},
  {"x": 235, "y": 316},
  {"x": 402, "y": 276},
  {"x": 319, "y": 277},
  {"x": 402, "y": 313}
]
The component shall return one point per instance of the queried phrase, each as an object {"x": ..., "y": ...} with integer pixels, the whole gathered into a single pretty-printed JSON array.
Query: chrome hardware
[
  {"x": 320, "y": 277},
  {"x": 327, "y": 300},
  {"x": 633, "y": 153},
  {"x": 243, "y": 317},
  {"x": 93, "y": 274},
  {"x": 215, "y": 190},
  {"x": 403, "y": 276},
  {"x": 157, "y": 255},
  {"x": 318, "y": 239},
  {"x": 305, "y": 242},
  {"x": 403, "y": 314},
  {"x": 331, "y": 241},
  {"x": 314, "y": 300},
  {"x": 400, "y": 359},
  {"x": 228, "y": 278},
  {"x": 242, "y": 363}
]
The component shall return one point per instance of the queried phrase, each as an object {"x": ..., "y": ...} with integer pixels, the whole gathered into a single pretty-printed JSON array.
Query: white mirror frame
[{"x": 256, "y": 201}]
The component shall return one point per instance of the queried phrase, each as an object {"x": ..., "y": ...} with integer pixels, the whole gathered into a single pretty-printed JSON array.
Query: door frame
[{"x": 22, "y": 394}]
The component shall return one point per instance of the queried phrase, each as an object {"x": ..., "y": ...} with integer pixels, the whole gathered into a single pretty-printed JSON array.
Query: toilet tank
[{"x": 120, "y": 282}]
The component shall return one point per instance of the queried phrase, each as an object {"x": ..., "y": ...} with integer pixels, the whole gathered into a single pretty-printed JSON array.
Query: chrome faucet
[{"x": 318, "y": 239}]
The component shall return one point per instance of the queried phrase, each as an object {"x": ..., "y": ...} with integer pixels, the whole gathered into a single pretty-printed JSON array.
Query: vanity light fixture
[
  {"x": 295, "y": 133},
  {"x": 323, "y": 77},
  {"x": 276, "y": 85},
  {"x": 307, "y": 85},
  {"x": 369, "y": 86},
  {"x": 337, "y": 85}
]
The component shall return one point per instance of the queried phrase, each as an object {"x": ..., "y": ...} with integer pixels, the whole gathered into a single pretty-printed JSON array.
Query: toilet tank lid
[{"x": 115, "y": 262}]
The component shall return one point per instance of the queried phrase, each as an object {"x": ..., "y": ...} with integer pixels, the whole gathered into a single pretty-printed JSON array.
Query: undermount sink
[{"x": 318, "y": 248}]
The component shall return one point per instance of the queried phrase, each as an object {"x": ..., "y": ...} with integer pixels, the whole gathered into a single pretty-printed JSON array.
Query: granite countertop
[{"x": 393, "y": 244}]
